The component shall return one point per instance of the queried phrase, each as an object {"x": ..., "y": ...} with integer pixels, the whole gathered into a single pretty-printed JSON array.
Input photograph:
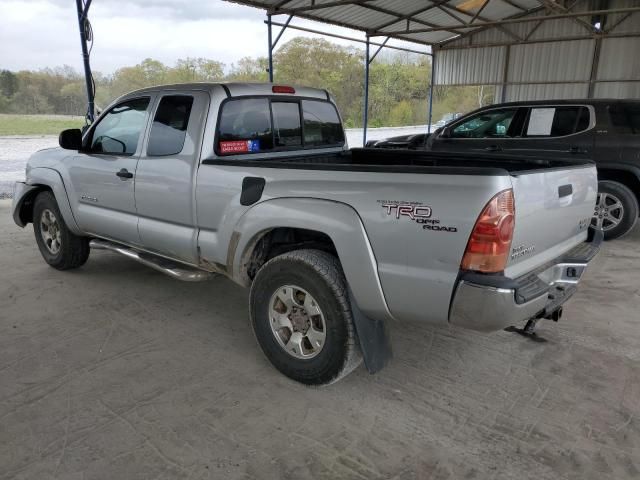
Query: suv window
[
  {"x": 557, "y": 121},
  {"x": 119, "y": 130},
  {"x": 625, "y": 118},
  {"x": 262, "y": 124},
  {"x": 489, "y": 124},
  {"x": 169, "y": 127}
]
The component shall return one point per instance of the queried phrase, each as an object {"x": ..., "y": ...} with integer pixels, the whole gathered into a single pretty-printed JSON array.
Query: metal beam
[
  {"x": 510, "y": 21},
  {"x": 378, "y": 50},
  {"x": 83, "y": 12},
  {"x": 284, "y": 27},
  {"x": 595, "y": 61},
  {"x": 351, "y": 39},
  {"x": 484, "y": 19}
]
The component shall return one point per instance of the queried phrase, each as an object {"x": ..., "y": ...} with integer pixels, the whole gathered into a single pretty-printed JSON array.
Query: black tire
[
  {"x": 73, "y": 251},
  {"x": 616, "y": 191},
  {"x": 320, "y": 274}
]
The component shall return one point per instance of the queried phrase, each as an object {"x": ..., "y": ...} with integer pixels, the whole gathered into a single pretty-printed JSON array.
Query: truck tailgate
[{"x": 553, "y": 212}]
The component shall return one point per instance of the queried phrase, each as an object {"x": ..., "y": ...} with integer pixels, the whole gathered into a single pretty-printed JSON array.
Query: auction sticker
[{"x": 240, "y": 146}]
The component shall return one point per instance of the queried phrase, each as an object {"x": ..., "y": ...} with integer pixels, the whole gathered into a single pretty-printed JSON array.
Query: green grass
[{"x": 37, "y": 124}]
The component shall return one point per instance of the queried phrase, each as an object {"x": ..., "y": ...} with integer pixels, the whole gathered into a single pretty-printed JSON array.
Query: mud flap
[{"x": 373, "y": 337}]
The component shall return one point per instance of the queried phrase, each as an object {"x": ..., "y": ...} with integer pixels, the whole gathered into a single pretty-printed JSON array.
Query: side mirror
[
  {"x": 446, "y": 132},
  {"x": 71, "y": 139}
]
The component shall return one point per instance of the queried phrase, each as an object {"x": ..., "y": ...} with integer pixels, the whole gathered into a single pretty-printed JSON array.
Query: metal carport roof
[{"x": 434, "y": 22}]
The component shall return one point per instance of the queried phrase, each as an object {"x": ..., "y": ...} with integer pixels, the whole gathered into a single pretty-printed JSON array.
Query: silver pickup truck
[{"x": 256, "y": 182}]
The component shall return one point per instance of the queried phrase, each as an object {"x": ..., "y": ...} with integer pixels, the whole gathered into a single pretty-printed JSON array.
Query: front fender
[
  {"x": 337, "y": 220},
  {"x": 38, "y": 179}
]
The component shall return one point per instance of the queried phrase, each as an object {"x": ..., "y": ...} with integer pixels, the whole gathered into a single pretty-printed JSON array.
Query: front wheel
[
  {"x": 616, "y": 209},
  {"x": 59, "y": 247},
  {"x": 302, "y": 319}
]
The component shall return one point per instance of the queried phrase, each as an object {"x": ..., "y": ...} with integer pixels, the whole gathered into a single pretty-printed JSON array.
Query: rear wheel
[
  {"x": 616, "y": 209},
  {"x": 302, "y": 319},
  {"x": 59, "y": 247}
]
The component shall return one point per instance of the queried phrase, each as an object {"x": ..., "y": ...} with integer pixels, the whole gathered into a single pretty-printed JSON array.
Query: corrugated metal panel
[
  {"x": 619, "y": 59},
  {"x": 554, "y": 62},
  {"x": 628, "y": 23},
  {"x": 477, "y": 66},
  {"x": 617, "y": 90},
  {"x": 557, "y": 91}
]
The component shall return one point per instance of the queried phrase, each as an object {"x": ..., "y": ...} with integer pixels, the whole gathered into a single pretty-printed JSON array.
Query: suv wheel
[
  {"x": 59, "y": 247},
  {"x": 302, "y": 319},
  {"x": 616, "y": 209}
]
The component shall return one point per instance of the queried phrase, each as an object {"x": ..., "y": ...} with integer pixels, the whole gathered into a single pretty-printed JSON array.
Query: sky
[{"x": 35, "y": 34}]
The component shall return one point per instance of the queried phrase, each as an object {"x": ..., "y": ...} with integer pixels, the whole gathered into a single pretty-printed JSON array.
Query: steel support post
[
  {"x": 431, "y": 83},
  {"x": 83, "y": 11},
  {"x": 365, "y": 113},
  {"x": 270, "y": 40}
]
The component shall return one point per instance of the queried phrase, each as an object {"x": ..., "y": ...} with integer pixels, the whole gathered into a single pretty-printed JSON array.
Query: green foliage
[{"x": 398, "y": 89}]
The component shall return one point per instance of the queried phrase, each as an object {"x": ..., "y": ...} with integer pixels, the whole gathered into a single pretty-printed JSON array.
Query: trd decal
[
  {"x": 412, "y": 210},
  {"x": 416, "y": 212}
]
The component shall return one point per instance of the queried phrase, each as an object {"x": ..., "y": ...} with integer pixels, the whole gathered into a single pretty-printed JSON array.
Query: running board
[{"x": 168, "y": 267}]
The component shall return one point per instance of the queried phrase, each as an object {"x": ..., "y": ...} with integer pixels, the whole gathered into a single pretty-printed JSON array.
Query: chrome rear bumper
[{"x": 493, "y": 302}]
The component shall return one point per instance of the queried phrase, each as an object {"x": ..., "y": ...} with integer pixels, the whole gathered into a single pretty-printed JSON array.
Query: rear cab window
[
  {"x": 557, "y": 121},
  {"x": 169, "y": 128},
  {"x": 272, "y": 124}
]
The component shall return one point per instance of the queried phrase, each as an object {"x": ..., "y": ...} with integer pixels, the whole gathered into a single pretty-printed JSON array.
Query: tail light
[
  {"x": 490, "y": 241},
  {"x": 282, "y": 89}
]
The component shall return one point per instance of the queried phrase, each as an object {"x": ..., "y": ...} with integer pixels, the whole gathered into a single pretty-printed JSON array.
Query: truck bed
[{"x": 407, "y": 161}]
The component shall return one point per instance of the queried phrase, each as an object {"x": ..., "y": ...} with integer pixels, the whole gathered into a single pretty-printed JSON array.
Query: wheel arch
[
  {"x": 330, "y": 226},
  {"x": 40, "y": 180}
]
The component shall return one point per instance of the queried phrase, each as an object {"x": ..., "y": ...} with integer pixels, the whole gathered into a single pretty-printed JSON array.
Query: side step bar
[{"x": 168, "y": 267}]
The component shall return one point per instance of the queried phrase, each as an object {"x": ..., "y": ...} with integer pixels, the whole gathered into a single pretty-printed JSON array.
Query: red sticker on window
[{"x": 237, "y": 146}]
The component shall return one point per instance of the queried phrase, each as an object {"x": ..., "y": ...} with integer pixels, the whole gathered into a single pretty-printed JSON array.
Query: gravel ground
[
  {"x": 14, "y": 151},
  {"x": 115, "y": 371}
]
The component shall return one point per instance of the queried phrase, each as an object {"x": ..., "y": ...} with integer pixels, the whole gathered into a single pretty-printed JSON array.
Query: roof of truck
[{"x": 237, "y": 89}]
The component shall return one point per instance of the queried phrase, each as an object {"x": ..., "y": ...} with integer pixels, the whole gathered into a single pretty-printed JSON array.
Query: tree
[{"x": 8, "y": 83}]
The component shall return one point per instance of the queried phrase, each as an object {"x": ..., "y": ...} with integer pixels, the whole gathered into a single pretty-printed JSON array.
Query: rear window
[
  {"x": 625, "y": 118},
  {"x": 557, "y": 121},
  {"x": 253, "y": 125}
]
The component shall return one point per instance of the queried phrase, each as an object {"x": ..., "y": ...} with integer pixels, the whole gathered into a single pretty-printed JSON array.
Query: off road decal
[{"x": 416, "y": 212}]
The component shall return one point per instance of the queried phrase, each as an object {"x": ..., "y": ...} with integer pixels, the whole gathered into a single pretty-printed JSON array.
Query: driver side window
[
  {"x": 119, "y": 130},
  {"x": 491, "y": 124}
]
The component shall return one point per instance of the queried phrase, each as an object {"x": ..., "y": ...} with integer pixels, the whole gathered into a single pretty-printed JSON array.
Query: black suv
[{"x": 607, "y": 131}]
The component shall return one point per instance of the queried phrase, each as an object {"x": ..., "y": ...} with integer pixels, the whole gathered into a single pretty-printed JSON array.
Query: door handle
[
  {"x": 575, "y": 150},
  {"x": 492, "y": 148},
  {"x": 124, "y": 174}
]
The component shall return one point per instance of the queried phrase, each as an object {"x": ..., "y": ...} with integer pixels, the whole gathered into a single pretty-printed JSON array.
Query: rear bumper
[{"x": 493, "y": 302}]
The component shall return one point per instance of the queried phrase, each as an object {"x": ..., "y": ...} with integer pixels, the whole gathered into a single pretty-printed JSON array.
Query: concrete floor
[{"x": 115, "y": 371}]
